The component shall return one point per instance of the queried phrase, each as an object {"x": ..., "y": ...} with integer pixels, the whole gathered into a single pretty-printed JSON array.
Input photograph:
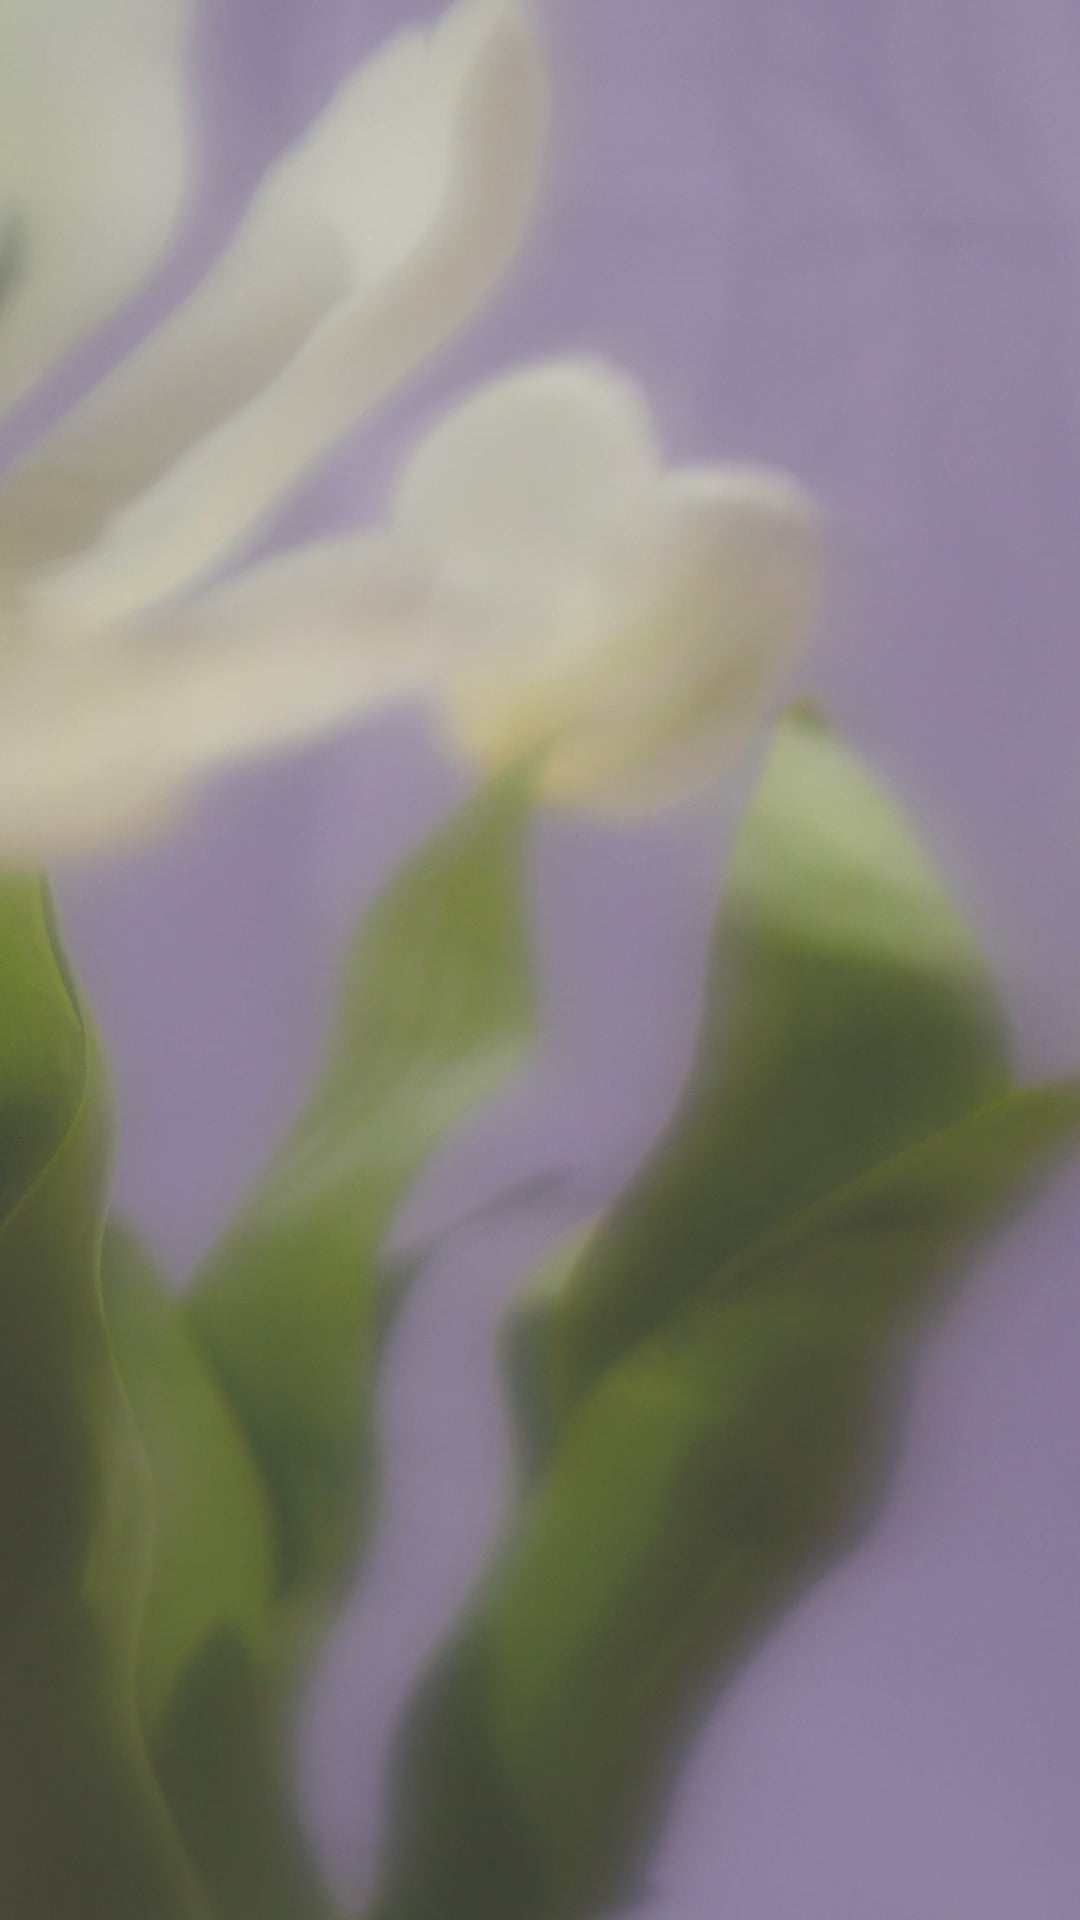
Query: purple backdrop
[{"x": 841, "y": 236}]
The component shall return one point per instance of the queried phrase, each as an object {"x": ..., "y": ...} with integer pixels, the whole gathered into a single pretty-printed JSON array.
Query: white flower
[
  {"x": 630, "y": 623},
  {"x": 368, "y": 245},
  {"x": 93, "y": 165}
]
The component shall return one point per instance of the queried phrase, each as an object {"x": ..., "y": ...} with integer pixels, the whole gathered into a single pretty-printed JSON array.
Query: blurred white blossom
[
  {"x": 629, "y": 623},
  {"x": 122, "y": 678},
  {"x": 94, "y": 163},
  {"x": 541, "y": 578}
]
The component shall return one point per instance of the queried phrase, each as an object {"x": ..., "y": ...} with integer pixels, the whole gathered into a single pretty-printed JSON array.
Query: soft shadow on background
[{"x": 844, "y": 238}]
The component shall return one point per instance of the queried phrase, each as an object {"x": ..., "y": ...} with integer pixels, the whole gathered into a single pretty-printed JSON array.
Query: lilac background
[{"x": 843, "y": 236}]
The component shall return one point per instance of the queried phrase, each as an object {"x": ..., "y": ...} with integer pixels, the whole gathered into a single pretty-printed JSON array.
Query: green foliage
[
  {"x": 436, "y": 1012},
  {"x": 214, "y": 1552},
  {"x": 713, "y": 1467},
  {"x": 83, "y": 1829},
  {"x": 216, "y": 1724},
  {"x": 254, "y": 1395},
  {"x": 707, "y": 1383},
  {"x": 848, "y": 1015}
]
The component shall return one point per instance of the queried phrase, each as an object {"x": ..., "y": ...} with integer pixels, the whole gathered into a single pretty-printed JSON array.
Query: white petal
[
  {"x": 656, "y": 659},
  {"x": 522, "y": 494},
  {"x": 45, "y": 820},
  {"x": 740, "y": 562},
  {"x": 723, "y": 599},
  {"x": 382, "y": 232},
  {"x": 531, "y": 471},
  {"x": 291, "y": 650},
  {"x": 97, "y": 746},
  {"x": 217, "y": 353},
  {"x": 93, "y": 165}
]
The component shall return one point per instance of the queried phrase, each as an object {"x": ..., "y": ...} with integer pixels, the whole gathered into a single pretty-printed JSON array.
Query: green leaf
[
  {"x": 714, "y": 1468},
  {"x": 214, "y": 1550},
  {"x": 225, "y": 1759},
  {"x": 848, "y": 1014},
  {"x": 83, "y": 1828},
  {"x": 218, "y": 1731},
  {"x": 437, "y": 1011},
  {"x": 717, "y": 1465},
  {"x": 706, "y": 1383}
]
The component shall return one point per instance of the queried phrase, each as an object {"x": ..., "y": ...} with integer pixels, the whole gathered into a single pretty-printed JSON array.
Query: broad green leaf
[
  {"x": 225, "y": 1758},
  {"x": 83, "y": 1828},
  {"x": 214, "y": 1547},
  {"x": 847, "y": 1015},
  {"x": 713, "y": 1469},
  {"x": 217, "y": 1730},
  {"x": 437, "y": 1011},
  {"x": 705, "y": 1383}
]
